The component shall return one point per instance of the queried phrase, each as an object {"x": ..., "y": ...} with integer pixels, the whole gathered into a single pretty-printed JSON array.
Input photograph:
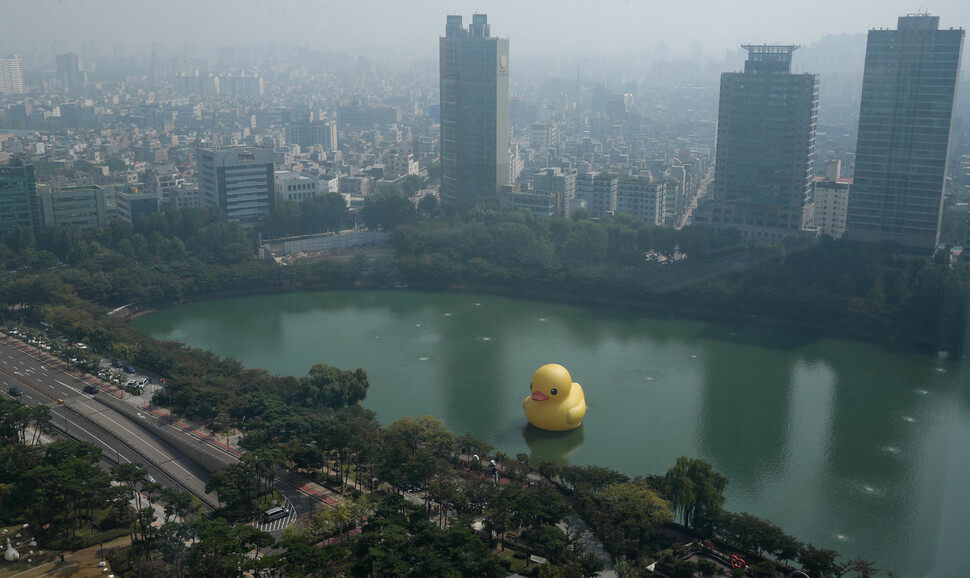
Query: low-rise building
[
  {"x": 295, "y": 187},
  {"x": 81, "y": 206}
]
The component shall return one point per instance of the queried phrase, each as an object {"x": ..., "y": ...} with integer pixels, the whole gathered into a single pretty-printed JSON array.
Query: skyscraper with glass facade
[
  {"x": 474, "y": 85},
  {"x": 765, "y": 146},
  {"x": 908, "y": 96},
  {"x": 18, "y": 197}
]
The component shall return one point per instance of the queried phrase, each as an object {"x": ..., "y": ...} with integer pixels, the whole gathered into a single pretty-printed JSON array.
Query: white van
[{"x": 275, "y": 514}]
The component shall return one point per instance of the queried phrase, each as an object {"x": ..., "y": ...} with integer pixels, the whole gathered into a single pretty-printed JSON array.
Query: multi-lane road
[{"x": 45, "y": 380}]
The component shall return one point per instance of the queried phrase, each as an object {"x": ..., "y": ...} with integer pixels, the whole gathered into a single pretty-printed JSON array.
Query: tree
[
  {"x": 818, "y": 562},
  {"x": 862, "y": 567},
  {"x": 132, "y": 475},
  {"x": 283, "y": 220},
  {"x": 428, "y": 205},
  {"x": 664, "y": 241},
  {"x": 410, "y": 185},
  {"x": 218, "y": 551},
  {"x": 696, "y": 490},
  {"x": 386, "y": 209},
  {"x": 324, "y": 212},
  {"x": 333, "y": 387},
  {"x": 632, "y": 509}
]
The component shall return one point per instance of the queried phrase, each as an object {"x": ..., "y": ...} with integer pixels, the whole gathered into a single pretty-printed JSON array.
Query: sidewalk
[{"x": 230, "y": 445}]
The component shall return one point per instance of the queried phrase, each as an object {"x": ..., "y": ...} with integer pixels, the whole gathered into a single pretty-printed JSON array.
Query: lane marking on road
[
  {"x": 101, "y": 441},
  {"x": 150, "y": 445}
]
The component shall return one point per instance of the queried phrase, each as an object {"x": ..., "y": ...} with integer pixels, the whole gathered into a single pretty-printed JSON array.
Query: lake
[{"x": 842, "y": 443}]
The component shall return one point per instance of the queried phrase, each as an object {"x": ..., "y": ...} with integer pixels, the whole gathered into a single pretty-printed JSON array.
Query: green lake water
[{"x": 842, "y": 443}]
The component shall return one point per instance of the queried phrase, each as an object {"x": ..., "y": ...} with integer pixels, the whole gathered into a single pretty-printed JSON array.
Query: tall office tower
[
  {"x": 765, "y": 146},
  {"x": 69, "y": 73},
  {"x": 908, "y": 96},
  {"x": 474, "y": 114},
  {"x": 18, "y": 197},
  {"x": 238, "y": 180},
  {"x": 11, "y": 76}
]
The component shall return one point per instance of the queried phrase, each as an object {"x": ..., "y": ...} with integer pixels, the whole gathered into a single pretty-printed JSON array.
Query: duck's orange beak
[{"x": 539, "y": 396}]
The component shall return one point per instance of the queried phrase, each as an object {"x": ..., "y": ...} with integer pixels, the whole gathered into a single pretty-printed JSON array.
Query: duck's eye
[{"x": 554, "y": 391}]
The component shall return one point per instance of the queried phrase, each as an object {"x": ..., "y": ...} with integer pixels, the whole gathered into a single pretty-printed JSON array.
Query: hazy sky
[{"x": 533, "y": 26}]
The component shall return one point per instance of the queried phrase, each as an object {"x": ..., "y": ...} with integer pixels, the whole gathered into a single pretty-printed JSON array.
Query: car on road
[
  {"x": 15, "y": 391},
  {"x": 90, "y": 388},
  {"x": 129, "y": 369},
  {"x": 275, "y": 514}
]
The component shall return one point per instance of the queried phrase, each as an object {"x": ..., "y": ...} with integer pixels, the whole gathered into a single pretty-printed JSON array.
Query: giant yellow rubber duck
[{"x": 556, "y": 403}]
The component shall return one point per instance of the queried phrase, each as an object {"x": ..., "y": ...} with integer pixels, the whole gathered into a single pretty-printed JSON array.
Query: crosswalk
[{"x": 279, "y": 524}]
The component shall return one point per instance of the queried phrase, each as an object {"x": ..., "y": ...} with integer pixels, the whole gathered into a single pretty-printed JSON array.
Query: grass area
[
  {"x": 517, "y": 564},
  {"x": 84, "y": 538}
]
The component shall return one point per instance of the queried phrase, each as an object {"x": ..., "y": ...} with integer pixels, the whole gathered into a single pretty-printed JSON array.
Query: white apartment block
[
  {"x": 643, "y": 198},
  {"x": 11, "y": 76},
  {"x": 599, "y": 192},
  {"x": 831, "y": 206}
]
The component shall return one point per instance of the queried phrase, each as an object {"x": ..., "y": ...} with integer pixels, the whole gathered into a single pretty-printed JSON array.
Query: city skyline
[{"x": 375, "y": 26}]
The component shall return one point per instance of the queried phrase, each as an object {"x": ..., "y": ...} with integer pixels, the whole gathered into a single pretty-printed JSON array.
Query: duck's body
[{"x": 556, "y": 402}]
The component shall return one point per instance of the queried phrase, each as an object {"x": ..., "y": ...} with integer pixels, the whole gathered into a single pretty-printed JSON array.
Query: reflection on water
[
  {"x": 552, "y": 446},
  {"x": 842, "y": 444}
]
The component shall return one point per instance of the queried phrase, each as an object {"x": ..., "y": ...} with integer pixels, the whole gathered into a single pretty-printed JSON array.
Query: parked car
[
  {"x": 129, "y": 369},
  {"x": 90, "y": 388},
  {"x": 15, "y": 391}
]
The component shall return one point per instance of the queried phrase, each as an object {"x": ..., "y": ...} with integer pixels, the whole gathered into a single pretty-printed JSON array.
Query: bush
[
  {"x": 707, "y": 568},
  {"x": 684, "y": 569},
  {"x": 764, "y": 569}
]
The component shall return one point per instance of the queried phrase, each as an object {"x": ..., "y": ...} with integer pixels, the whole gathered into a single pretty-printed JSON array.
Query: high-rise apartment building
[
  {"x": 11, "y": 76},
  {"x": 908, "y": 96},
  {"x": 238, "y": 180},
  {"x": 765, "y": 146},
  {"x": 18, "y": 197},
  {"x": 474, "y": 69}
]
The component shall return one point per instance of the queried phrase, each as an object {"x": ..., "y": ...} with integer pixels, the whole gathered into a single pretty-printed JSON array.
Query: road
[{"x": 46, "y": 380}]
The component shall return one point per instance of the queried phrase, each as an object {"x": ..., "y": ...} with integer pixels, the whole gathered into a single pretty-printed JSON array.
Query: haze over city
[
  {"x": 319, "y": 288},
  {"x": 411, "y": 29}
]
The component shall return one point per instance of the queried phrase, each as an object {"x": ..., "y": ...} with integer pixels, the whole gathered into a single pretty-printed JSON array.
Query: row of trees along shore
[
  {"x": 60, "y": 490},
  {"x": 314, "y": 425}
]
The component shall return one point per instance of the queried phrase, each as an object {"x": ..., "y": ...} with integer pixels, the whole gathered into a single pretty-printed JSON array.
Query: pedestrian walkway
[
  {"x": 220, "y": 442},
  {"x": 231, "y": 445},
  {"x": 574, "y": 525}
]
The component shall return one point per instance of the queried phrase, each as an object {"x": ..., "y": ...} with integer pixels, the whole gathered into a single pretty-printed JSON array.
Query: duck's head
[{"x": 550, "y": 381}]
